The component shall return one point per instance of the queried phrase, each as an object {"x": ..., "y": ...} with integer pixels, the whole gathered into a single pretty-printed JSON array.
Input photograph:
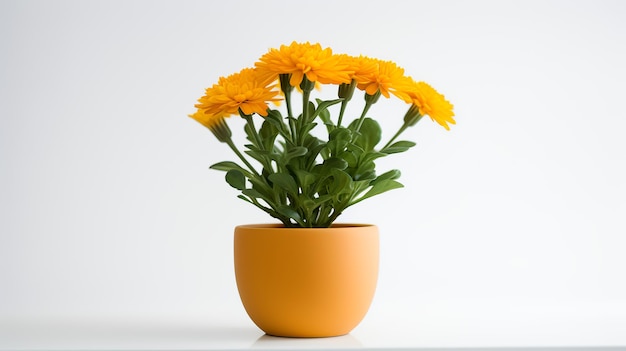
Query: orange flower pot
[{"x": 306, "y": 282}]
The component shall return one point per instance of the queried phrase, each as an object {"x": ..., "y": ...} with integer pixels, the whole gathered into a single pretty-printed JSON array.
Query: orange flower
[
  {"x": 244, "y": 90},
  {"x": 215, "y": 123},
  {"x": 304, "y": 59},
  {"x": 383, "y": 76},
  {"x": 430, "y": 102},
  {"x": 207, "y": 120},
  {"x": 363, "y": 67}
]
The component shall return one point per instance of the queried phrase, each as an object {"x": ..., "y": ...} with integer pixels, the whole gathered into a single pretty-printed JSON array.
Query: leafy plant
[{"x": 301, "y": 179}]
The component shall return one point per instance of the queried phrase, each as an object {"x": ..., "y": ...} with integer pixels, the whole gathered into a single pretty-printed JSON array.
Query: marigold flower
[
  {"x": 387, "y": 77},
  {"x": 430, "y": 102},
  {"x": 216, "y": 124},
  {"x": 244, "y": 91},
  {"x": 304, "y": 59},
  {"x": 205, "y": 119},
  {"x": 364, "y": 67}
]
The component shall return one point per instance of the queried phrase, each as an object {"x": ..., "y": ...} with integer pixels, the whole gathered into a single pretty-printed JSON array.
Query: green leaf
[
  {"x": 381, "y": 187},
  {"x": 276, "y": 119},
  {"x": 340, "y": 134},
  {"x": 323, "y": 106},
  {"x": 252, "y": 193},
  {"x": 393, "y": 174},
  {"x": 335, "y": 163},
  {"x": 399, "y": 146},
  {"x": 367, "y": 174},
  {"x": 341, "y": 183},
  {"x": 322, "y": 199},
  {"x": 339, "y": 140},
  {"x": 289, "y": 212},
  {"x": 305, "y": 179},
  {"x": 249, "y": 132},
  {"x": 357, "y": 150},
  {"x": 350, "y": 158},
  {"x": 236, "y": 179},
  {"x": 314, "y": 151},
  {"x": 371, "y": 156},
  {"x": 284, "y": 181},
  {"x": 266, "y": 192},
  {"x": 293, "y": 152},
  {"x": 245, "y": 199},
  {"x": 325, "y": 116},
  {"x": 227, "y": 166},
  {"x": 365, "y": 168},
  {"x": 364, "y": 171},
  {"x": 268, "y": 134},
  {"x": 256, "y": 153},
  {"x": 370, "y": 134}
]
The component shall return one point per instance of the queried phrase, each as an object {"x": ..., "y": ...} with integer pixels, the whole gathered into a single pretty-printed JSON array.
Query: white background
[{"x": 108, "y": 210}]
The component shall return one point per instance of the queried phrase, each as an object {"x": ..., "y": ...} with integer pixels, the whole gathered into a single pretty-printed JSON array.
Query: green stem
[
  {"x": 402, "y": 129},
  {"x": 345, "y": 92},
  {"x": 257, "y": 138},
  {"x": 366, "y": 108},
  {"x": 411, "y": 117},
  {"x": 333, "y": 217},
  {"x": 307, "y": 86},
  {"x": 323, "y": 219},
  {"x": 369, "y": 101},
  {"x": 344, "y": 103},
  {"x": 292, "y": 123},
  {"x": 230, "y": 143},
  {"x": 288, "y": 102},
  {"x": 356, "y": 193},
  {"x": 305, "y": 112}
]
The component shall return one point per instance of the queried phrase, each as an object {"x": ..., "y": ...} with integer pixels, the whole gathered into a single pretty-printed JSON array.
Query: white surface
[
  {"x": 108, "y": 212},
  {"x": 468, "y": 324}
]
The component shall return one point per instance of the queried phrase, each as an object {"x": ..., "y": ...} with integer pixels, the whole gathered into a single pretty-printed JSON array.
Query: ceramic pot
[{"x": 306, "y": 282}]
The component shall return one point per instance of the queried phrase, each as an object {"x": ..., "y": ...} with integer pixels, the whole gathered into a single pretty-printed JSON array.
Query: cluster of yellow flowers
[{"x": 250, "y": 90}]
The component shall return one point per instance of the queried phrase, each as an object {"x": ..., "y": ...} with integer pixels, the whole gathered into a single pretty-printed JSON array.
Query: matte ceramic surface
[{"x": 306, "y": 282}]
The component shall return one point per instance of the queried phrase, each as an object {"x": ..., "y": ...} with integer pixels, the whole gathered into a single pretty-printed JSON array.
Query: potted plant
[{"x": 306, "y": 275}]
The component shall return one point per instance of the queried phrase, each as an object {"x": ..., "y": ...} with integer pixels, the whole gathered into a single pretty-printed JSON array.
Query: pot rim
[{"x": 282, "y": 226}]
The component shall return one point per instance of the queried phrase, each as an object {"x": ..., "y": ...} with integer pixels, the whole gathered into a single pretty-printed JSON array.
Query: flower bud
[
  {"x": 412, "y": 116},
  {"x": 285, "y": 87},
  {"x": 306, "y": 85},
  {"x": 347, "y": 90},
  {"x": 372, "y": 99},
  {"x": 221, "y": 130}
]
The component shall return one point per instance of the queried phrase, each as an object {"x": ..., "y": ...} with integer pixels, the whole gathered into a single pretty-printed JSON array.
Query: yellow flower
[
  {"x": 206, "y": 119},
  {"x": 363, "y": 67},
  {"x": 384, "y": 76},
  {"x": 432, "y": 103},
  {"x": 215, "y": 123},
  {"x": 243, "y": 90},
  {"x": 304, "y": 59}
]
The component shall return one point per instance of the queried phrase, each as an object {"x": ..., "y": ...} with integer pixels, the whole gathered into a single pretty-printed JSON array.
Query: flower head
[
  {"x": 205, "y": 119},
  {"x": 430, "y": 102},
  {"x": 304, "y": 59},
  {"x": 363, "y": 67},
  {"x": 383, "y": 76},
  {"x": 216, "y": 124},
  {"x": 244, "y": 91}
]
